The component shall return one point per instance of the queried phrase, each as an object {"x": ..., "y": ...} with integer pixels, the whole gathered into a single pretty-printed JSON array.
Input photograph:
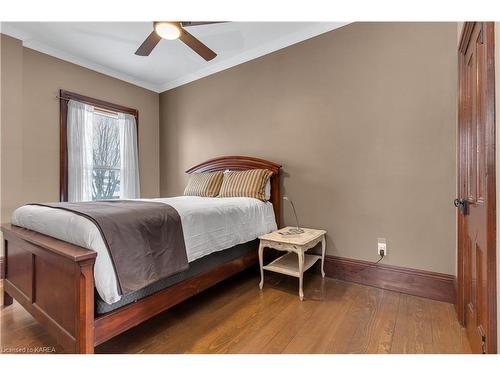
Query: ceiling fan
[{"x": 172, "y": 31}]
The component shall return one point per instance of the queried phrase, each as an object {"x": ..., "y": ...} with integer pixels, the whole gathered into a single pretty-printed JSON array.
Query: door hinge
[{"x": 483, "y": 344}]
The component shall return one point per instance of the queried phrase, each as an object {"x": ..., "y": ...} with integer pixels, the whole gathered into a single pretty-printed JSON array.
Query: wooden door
[{"x": 476, "y": 297}]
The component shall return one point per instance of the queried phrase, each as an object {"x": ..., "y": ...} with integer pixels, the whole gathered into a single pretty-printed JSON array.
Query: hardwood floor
[{"x": 235, "y": 317}]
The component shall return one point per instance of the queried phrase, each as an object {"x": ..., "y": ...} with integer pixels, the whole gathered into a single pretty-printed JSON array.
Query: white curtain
[
  {"x": 129, "y": 171},
  {"x": 80, "y": 139}
]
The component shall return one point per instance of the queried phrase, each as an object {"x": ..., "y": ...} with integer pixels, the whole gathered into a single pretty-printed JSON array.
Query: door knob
[{"x": 462, "y": 205}]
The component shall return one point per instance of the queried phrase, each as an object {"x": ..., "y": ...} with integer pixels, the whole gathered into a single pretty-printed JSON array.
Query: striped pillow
[
  {"x": 204, "y": 184},
  {"x": 250, "y": 183}
]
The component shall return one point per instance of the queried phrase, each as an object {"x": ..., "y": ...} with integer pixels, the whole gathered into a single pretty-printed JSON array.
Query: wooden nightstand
[{"x": 292, "y": 244}]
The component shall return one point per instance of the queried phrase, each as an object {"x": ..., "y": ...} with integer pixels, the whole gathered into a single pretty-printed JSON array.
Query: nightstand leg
[
  {"x": 261, "y": 264},
  {"x": 301, "y": 275},
  {"x": 323, "y": 251}
]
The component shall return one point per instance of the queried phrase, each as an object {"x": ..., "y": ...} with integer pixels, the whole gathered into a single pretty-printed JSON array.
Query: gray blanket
[{"x": 144, "y": 239}]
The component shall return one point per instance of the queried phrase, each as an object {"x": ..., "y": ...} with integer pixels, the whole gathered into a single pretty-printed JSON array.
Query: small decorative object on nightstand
[
  {"x": 285, "y": 240},
  {"x": 297, "y": 229}
]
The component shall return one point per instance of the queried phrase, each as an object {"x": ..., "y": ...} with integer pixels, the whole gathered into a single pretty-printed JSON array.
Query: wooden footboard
[{"x": 53, "y": 280}]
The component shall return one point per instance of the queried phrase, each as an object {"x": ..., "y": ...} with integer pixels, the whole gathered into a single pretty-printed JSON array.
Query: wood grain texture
[
  {"x": 32, "y": 240},
  {"x": 236, "y": 317},
  {"x": 52, "y": 280},
  {"x": 426, "y": 284},
  {"x": 242, "y": 163},
  {"x": 477, "y": 248},
  {"x": 43, "y": 268},
  {"x": 117, "y": 321}
]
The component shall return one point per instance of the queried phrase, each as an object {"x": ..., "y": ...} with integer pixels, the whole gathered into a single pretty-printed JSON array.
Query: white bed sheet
[{"x": 209, "y": 225}]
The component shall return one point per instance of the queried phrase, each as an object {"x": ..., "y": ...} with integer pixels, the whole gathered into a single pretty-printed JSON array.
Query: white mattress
[{"x": 209, "y": 225}]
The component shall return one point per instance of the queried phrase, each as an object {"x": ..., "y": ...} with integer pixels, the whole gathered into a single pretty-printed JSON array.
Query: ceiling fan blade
[
  {"x": 197, "y": 46},
  {"x": 148, "y": 45},
  {"x": 191, "y": 23}
]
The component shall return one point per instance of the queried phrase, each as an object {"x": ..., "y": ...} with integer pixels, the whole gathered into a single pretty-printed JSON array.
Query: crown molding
[
  {"x": 40, "y": 47},
  {"x": 30, "y": 42},
  {"x": 33, "y": 44},
  {"x": 297, "y": 37}
]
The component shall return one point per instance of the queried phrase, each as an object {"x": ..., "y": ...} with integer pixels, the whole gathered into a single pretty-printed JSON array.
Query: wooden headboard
[{"x": 240, "y": 163}]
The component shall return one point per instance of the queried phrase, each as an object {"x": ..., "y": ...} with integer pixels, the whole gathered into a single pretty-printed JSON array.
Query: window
[
  {"x": 99, "y": 156},
  {"x": 105, "y": 157}
]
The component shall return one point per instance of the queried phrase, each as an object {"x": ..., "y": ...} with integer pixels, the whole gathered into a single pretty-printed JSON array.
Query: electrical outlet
[{"x": 382, "y": 246}]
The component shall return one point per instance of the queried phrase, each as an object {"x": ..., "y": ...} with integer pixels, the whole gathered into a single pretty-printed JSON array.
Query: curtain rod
[{"x": 97, "y": 107}]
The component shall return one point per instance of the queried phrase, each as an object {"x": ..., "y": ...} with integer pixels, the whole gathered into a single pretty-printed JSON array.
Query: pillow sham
[
  {"x": 267, "y": 190},
  {"x": 204, "y": 184},
  {"x": 250, "y": 183}
]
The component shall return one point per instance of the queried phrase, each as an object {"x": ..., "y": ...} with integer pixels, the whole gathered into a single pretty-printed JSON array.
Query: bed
[{"x": 66, "y": 282}]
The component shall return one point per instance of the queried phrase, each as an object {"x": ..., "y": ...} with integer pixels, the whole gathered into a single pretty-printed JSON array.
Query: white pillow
[{"x": 267, "y": 191}]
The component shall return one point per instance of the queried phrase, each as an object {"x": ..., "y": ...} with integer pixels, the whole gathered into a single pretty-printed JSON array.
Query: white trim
[
  {"x": 30, "y": 43},
  {"x": 8, "y": 29},
  {"x": 275, "y": 45},
  {"x": 40, "y": 47}
]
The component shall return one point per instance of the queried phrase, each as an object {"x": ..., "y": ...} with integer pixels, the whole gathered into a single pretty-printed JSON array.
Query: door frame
[{"x": 489, "y": 34}]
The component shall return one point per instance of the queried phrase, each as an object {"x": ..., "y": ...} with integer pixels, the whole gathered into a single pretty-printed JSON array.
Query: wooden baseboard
[{"x": 433, "y": 285}]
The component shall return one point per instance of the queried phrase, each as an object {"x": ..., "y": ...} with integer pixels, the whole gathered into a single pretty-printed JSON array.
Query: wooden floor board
[
  {"x": 261, "y": 336},
  {"x": 413, "y": 330},
  {"x": 311, "y": 337},
  {"x": 212, "y": 309},
  {"x": 379, "y": 339},
  {"x": 236, "y": 317},
  {"x": 290, "y": 322},
  {"x": 242, "y": 323}
]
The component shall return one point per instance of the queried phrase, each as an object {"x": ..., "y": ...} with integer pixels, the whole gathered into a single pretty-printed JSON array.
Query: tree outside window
[{"x": 106, "y": 158}]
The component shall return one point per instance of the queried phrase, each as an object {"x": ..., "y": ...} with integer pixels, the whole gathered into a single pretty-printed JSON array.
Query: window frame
[{"x": 64, "y": 98}]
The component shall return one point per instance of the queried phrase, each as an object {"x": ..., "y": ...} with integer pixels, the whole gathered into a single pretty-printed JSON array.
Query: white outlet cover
[{"x": 382, "y": 245}]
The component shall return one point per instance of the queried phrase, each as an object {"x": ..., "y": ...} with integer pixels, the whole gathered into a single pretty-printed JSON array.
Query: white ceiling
[{"x": 108, "y": 47}]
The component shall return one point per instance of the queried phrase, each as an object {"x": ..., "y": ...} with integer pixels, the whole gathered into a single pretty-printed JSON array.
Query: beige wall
[
  {"x": 363, "y": 120},
  {"x": 30, "y": 122}
]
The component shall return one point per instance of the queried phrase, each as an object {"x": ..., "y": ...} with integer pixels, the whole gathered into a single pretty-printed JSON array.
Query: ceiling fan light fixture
[{"x": 168, "y": 30}]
